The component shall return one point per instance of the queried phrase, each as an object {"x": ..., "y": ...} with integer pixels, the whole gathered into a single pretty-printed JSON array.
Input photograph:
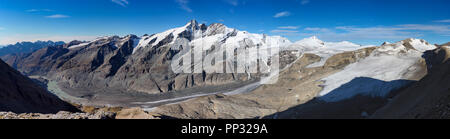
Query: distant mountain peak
[
  {"x": 417, "y": 44},
  {"x": 311, "y": 41}
]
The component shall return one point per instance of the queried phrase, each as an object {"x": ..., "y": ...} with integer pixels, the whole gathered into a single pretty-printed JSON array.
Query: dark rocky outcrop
[
  {"x": 21, "y": 95},
  {"x": 429, "y": 97}
]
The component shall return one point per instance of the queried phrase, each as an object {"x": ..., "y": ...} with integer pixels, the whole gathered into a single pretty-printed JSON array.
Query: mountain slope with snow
[
  {"x": 390, "y": 62},
  {"x": 20, "y": 94},
  {"x": 26, "y": 47},
  {"x": 201, "y": 34}
]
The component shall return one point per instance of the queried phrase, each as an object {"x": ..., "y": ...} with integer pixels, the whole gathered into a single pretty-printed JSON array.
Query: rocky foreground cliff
[{"x": 20, "y": 94}]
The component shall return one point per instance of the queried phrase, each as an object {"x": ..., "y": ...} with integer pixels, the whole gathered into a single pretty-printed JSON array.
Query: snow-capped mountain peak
[
  {"x": 323, "y": 49},
  {"x": 313, "y": 38},
  {"x": 419, "y": 45},
  {"x": 311, "y": 42},
  {"x": 190, "y": 31},
  {"x": 385, "y": 43}
]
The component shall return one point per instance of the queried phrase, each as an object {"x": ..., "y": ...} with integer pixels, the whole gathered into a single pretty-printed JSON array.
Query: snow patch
[{"x": 79, "y": 45}]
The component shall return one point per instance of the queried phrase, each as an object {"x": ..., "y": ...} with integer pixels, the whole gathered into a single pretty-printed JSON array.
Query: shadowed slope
[
  {"x": 19, "y": 94},
  {"x": 357, "y": 99},
  {"x": 428, "y": 98}
]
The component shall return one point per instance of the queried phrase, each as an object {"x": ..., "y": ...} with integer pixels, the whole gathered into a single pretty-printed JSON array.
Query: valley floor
[{"x": 113, "y": 98}]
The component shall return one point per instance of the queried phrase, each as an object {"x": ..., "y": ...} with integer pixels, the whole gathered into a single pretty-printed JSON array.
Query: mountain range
[
  {"x": 26, "y": 47},
  {"x": 317, "y": 79}
]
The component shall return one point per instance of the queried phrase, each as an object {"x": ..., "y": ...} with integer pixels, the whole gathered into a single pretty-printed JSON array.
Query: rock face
[{"x": 20, "y": 94}]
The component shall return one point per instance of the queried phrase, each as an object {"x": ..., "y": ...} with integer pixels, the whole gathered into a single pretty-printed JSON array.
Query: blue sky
[{"x": 359, "y": 21}]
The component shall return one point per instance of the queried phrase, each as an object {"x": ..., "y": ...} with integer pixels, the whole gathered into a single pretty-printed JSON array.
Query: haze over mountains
[
  {"x": 26, "y": 47},
  {"x": 317, "y": 79}
]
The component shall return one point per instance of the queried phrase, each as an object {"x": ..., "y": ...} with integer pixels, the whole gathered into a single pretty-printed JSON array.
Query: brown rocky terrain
[{"x": 293, "y": 96}]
